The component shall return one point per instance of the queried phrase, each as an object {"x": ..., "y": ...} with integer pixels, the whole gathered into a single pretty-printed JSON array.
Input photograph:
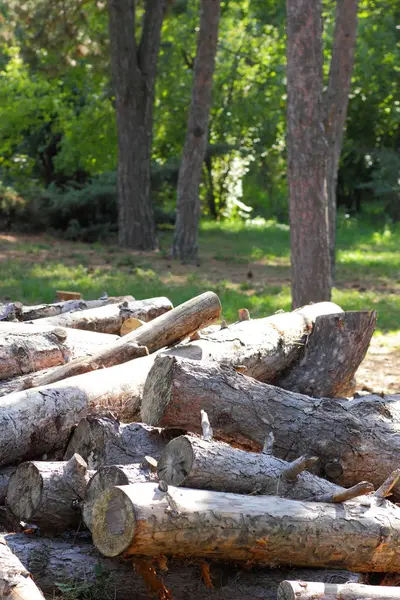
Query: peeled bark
[
  {"x": 243, "y": 410},
  {"x": 16, "y": 582},
  {"x": 109, "y": 319},
  {"x": 51, "y": 560},
  {"x": 140, "y": 519},
  {"x": 312, "y": 590},
  {"x": 195, "y": 463},
  {"x": 43, "y": 311}
]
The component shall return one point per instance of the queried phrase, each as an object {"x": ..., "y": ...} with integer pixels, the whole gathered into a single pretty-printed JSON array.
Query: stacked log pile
[{"x": 152, "y": 452}]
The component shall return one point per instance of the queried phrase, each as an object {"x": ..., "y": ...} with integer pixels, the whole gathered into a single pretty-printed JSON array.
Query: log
[
  {"x": 5, "y": 475},
  {"x": 55, "y": 560},
  {"x": 195, "y": 463},
  {"x": 11, "y": 311},
  {"x": 148, "y": 519},
  {"x": 109, "y": 318},
  {"x": 43, "y": 311},
  {"x": 315, "y": 590},
  {"x": 16, "y": 582},
  {"x": 242, "y": 410},
  {"x": 46, "y": 493},
  {"x": 28, "y": 349},
  {"x": 104, "y": 441}
]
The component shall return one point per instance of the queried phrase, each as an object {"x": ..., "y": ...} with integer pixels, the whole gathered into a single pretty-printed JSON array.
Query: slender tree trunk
[
  {"x": 134, "y": 69},
  {"x": 336, "y": 102},
  {"x": 307, "y": 149},
  {"x": 185, "y": 244}
]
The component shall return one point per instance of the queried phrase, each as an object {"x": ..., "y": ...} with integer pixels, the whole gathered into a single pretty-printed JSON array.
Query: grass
[{"x": 248, "y": 266}]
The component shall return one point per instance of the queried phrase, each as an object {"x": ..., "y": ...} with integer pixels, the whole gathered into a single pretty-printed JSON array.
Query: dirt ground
[{"x": 380, "y": 370}]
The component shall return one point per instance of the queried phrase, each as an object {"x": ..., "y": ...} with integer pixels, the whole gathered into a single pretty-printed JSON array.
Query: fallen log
[
  {"x": 242, "y": 410},
  {"x": 210, "y": 465},
  {"x": 109, "y": 318},
  {"x": 148, "y": 519},
  {"x": 104, "y": 441},
  {"x": 43, "y": 311},
  {"x": 314, "y": 590},
  {"x": 5, "y": 474},
  {"x": 55, "y": 560},
  {"x": 16, "y": 582},
  {"x": 47, "y": 493}
]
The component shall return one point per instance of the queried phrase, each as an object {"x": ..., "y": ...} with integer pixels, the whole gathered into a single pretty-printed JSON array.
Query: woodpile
[{"x": 157, "y": 452}]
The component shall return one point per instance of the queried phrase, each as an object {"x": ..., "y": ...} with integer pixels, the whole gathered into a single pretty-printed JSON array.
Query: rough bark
[
  {"x": 51, "y": 560},
  {"x": 354, "y": 440},
  {"x": 32, "y": 349},
  {"x": 141, "y": 519},
  {"x": 16, "y": 582},
  {"x": 313, "y": 590},
  {"x": 307, "y": 150},
  {"x": 195, "y": 463},
  {"x": 109, "y": 319},
  {"x": 185, "y": 244},
  {"x": 43, "y": 493},
  {"x": 134, "y": 68},
  {"x": 43, "y": 311},
  {"x": 336, "y": 102},
  {"x": 5, "y": 475}
]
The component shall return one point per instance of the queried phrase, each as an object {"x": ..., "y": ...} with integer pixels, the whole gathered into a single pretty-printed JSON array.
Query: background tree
[
  {"x": 185, "y": 245},
  {"x": 134, "y": 67}
]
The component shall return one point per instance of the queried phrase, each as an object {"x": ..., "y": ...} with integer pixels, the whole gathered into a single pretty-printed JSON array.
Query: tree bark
[
  {"x": 185, "y": 244},
  {"x": 242, "y": 410},
  {"x": 195, "y": 463},
  {"x": 109, "y": 319},
  {"x": 5, "y": 475},
  {"x": 140, "y": 519},
  {"x": 312, "y": 590},
  {"x": 134, "y": 68},
  {"x": 307, "y": 151},
  {"x": 51, "y": 560},
  {"x": 16, "y": 582},
  {"x": 336, "y": 102},
  {"x": 43, "y": 311}
]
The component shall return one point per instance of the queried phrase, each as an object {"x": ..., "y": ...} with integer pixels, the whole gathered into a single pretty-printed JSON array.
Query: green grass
[{"x": 368, "y": 269}]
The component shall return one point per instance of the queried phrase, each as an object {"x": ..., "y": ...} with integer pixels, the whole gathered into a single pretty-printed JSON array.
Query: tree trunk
[
  {"x": 144, "y": 519},
  {"x": 242, "y": 409},
  {"x": 211, "y": 465},
  {"x": 109, "y": 319},
  {"x": 336, "y": 102},
  {"x": 307, "y": 150},
  {"x": 312, "y": 590},
  {"x": 44, "y": 311},
  {"x": 52, "y": 560},
  {"x": 5, "y": 475},
  {"x": 16, "y": 582},
  {"x": 134, "y": 68},
  {"x": 185, "y": 244}
]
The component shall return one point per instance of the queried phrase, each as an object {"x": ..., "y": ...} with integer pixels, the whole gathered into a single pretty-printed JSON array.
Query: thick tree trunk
[
  {"x": 185, "y": 245},
  {"x": 336, "y": 102},
  {"x": 307, "y": 149},
  {"x": 211, "y": 465},
  {"x": 134, "y": 70},
  {"x": 142, "y": 519},
  {"x": 312, "y": 590},
  {"x": 43, "y": 493},
  {"x": 51, "y": 560},
  {"x": 16, "y": 582},
  {"x": 44, "y": 311},
  {"x": 109, "y": 319},
  {"x": 242, "y": 409}
]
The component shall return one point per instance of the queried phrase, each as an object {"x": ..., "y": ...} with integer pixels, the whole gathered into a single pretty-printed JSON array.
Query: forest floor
[{"x": 246, "y": 266}]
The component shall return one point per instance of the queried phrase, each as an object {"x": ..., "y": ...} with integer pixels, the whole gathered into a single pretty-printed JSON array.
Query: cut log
[
  {"x": 241, "y": 409},
  {"x": 195, "y": 463},
  {"x": 43, "y": 311},
  {"x": 147, "y": 519},
  {"x": 16, "y": 582},
  {"x": 65, "y": 295},
  {"x": 314, "y": 590},
  {"x": 104, "y": 441},
  {"x": 5, "y": 474},
  {"x": 54, "y": 560},
  {"x": 46, "y": 493},
  {"x": 27, "y": 350},
  {"x": 108, "y": 319}
]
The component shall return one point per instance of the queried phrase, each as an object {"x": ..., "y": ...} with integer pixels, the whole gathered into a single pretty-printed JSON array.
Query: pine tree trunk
[
  {"x": 185, "y": 245},
  {"x": 308, "y": 208}
]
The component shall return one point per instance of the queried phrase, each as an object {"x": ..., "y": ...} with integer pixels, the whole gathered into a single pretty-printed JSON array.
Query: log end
[
  {"x": 157, "y": 390},
  {"x": 176, "y": 461},
  {"x": 105, "y": 478},
  {"x": 113, "y": 522},
  {"x": 286, "y": 591},
  {"x": 24, "y": 493}
]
